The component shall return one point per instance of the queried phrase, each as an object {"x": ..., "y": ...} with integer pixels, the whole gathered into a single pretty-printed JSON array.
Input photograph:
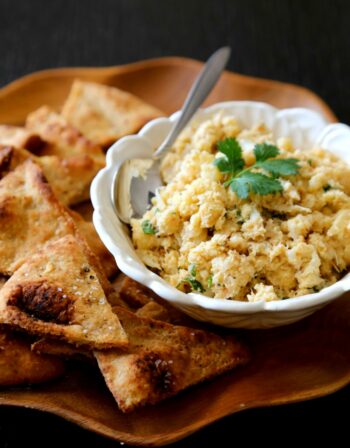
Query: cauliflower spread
[{"x": 200, "y": 235}]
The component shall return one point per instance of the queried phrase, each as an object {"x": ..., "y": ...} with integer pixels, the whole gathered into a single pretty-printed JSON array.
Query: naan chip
[
  {"x": 163, "y": 359},
  {"x": 104, "y": 114},
  {"x": 63, "y": 140},
  {"x": 20, "y": 137},
  {"x": 57, "y": 293},
  {"x": 70, "y": 179},
  {"x": 30, "y": 215},
  {"x": 87, "y": 230},
  {"x": 19, "y": 365}
]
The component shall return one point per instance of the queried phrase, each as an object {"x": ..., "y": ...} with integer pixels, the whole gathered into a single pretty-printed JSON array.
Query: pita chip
[
  {"x": 163, "y": 359},
  {"x": 57, "y": 292},
  {"x": 147, "y": 304},
  {"x": 54, "y": 347},
  {"x": 87, "y": 230},
  {"x": 63, "y": 140},
  {"x": 5, "y": 158},
  {"x": 104, "y": 114},
  {"x": 20, "y": 137},
  {"x": 70, "y": 178},
  {"x": 30, "y": 215},
  {"x": 19, "y": 365}
]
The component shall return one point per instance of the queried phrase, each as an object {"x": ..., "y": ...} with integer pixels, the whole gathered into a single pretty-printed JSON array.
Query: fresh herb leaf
[
  {"x": 256, "y": 183},
  {"x": 264, "y": 151},
  {"x": 147, "y": 227},
  {"x": 280, "y": 167},
  {"x": 210, "y": 281},
  {"x": 194, "y": 284},
  {"x": 233, "y": 160},
  {"x": 246, "y": 181},
  {"x": 192, "y": 270},
  {"x": 327, "y": 188}
]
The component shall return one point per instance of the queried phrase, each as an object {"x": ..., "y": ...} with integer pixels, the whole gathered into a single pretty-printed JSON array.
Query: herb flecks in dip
[{"x": 206, "y": 235}]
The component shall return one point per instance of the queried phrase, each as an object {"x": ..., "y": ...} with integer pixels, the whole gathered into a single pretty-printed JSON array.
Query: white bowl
[{"x": 304, "y": 127}]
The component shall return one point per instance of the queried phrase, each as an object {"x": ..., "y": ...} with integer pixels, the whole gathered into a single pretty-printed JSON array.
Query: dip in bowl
[{"x": 218, "y": 244}]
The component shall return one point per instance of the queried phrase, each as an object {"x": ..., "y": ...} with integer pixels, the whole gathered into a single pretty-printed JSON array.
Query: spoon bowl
[{"x": 136, "y": 182}]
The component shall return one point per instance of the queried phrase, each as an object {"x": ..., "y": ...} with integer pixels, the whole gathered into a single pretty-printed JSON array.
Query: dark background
[{"x": 301, "y": 41}]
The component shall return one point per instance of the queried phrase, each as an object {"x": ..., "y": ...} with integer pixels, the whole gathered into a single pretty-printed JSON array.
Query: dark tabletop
[{"x": 301, "y": 41}]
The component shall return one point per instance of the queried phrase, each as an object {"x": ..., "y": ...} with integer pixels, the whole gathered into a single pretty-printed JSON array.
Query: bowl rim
[{"x": 157, "y": 283}]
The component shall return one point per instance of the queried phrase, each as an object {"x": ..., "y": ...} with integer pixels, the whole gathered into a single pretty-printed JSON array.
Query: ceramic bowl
[{"x": 305, "y": 127}]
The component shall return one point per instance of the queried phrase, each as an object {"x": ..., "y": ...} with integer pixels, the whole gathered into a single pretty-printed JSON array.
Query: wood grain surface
[{"x": 163, "y": 83}]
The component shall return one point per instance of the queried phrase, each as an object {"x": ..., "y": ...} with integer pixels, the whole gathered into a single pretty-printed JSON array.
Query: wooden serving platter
[{"x": 302, "y": 361}]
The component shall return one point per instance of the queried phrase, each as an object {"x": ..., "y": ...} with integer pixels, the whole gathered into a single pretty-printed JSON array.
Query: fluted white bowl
[{"x": 305, "y": 127}]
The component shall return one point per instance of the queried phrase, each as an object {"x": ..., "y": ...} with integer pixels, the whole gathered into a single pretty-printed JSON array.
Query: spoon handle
[{"x": 198, "y": 93}]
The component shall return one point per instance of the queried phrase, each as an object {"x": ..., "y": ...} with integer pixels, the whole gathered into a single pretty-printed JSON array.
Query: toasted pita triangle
[
  {"x": 70, "y": 179},
  {"x": 63, "y": 140},
  {"x": 147, "y": 304},
  {"x": 57, "y": 293},
  {"x": 104, "y": 114},
  {"x": 163, "y": 359},
  {"x": 87, "y": 230},
  {"x": 55, "y": 347},
  {"x": 11, "y": 157},
  {"x": 30, "y": 215},
  {"x": 20, "y": 137},
  {"x": 19, "y": 365}
]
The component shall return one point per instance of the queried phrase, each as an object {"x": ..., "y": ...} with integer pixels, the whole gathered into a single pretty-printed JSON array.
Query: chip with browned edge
[
  {"x": 62, "y": 139},
  {"x": 62, "y": 349},
  {"x": 57, "y": 292},
  {"x": 163, "y": 359},
  {"x": 20, "y": 137}
]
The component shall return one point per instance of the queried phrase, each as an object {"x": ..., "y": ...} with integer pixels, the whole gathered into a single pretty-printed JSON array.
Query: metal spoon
[{"x": 133, "y": 190}]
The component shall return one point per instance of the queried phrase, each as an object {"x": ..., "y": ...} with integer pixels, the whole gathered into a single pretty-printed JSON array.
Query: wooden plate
[{"x": 305, "y": 360}]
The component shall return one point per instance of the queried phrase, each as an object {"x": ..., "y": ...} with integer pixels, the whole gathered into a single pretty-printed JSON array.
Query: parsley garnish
[
  {"x": 246, "y": 181},
  {"x": 147, "y": 227},
  {"x": 191, "y": 279},
  {"x": 210, "y": 281},
  {"x": 195, "y": 284},
  {"x": 327, "y": 188},
  {"x": 192, "y": 270}
]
